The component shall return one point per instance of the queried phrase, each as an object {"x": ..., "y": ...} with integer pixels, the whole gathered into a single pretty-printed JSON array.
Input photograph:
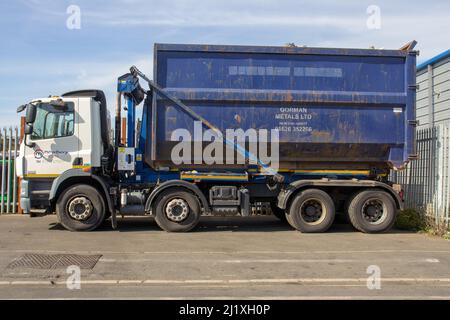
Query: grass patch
[
  {"x": 410, "y": 219},
  {"x": 439, "y": 228},
  {"x": 417, "y": 220}
]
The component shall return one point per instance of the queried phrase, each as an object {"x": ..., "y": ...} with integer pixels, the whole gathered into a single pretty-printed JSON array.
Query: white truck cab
[{"x": 66, "y": 133}]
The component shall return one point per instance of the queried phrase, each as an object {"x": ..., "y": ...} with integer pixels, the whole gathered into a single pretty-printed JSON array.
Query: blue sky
[{"x": 40, "y": 56}]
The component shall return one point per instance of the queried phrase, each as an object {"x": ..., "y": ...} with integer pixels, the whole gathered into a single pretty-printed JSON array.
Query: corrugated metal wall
[{"x": 433, "y": 96}]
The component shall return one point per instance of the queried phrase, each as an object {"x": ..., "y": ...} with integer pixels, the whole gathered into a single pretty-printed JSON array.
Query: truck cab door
[{"x": 56, "y": 146}]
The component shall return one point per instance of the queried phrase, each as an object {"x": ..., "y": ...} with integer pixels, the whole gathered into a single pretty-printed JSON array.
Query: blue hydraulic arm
[
  {"x": 128, "y": 85},
  {"x": 131, "y": 121},
  {"x": 137, "y": 73}
]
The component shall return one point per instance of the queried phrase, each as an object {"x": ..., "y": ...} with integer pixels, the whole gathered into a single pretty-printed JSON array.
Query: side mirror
[
  {"x": 28, "y": 129},
  {"x": 31, "y": 113},
  {"x": 21, "y": 108}
]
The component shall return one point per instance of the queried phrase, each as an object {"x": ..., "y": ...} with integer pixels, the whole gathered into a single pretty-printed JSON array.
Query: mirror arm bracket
[{"x": 30, "y": 145}]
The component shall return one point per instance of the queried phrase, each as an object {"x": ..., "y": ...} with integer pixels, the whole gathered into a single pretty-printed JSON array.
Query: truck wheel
[
  {"x": 80, "y": 208},
  {"x": 277, "y": 212},
  {"x": 347, "y": 202},
  {"x": 372, "y": 211},
  {"x": 177, "y": 211},
  {"x": 311, "y": 211}
]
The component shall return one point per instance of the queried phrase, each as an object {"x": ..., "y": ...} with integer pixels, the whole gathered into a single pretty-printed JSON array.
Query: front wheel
[
  {"x": 372, "y": 211},
  {"x": 80, "y": 208},
  {"x": 177, "y": 211},
  {"x": 311, "y": 211}
]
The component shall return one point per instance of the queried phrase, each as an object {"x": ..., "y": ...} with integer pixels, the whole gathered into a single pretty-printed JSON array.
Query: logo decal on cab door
[{"x": 38, "y": 154}]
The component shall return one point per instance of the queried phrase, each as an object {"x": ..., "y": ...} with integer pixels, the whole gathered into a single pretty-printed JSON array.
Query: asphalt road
[{"x": 225, "y": 258}]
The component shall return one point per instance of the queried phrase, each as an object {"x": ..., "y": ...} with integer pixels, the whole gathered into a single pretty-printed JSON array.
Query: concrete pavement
[{"x": 225, "y": 258}]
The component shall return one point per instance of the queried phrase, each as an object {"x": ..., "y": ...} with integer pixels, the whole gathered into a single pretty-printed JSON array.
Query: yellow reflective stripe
[
  {"x": 334, "y": 171},
  {"x": 213, "y": 177},
  {"x": 354, "y": 172},
  {"x": 81, "y": 167},
  {"x": 49, "y": 175}
]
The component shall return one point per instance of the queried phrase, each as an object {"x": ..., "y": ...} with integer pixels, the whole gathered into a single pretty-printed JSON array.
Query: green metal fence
[
  {"x": 9, "y": 186},
  {"x": 426, "y": 181}
]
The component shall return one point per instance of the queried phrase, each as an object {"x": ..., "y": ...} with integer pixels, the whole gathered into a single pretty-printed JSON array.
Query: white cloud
[
  {"x": 337, "y": 24},
  {"x": 340, "y": 24}
]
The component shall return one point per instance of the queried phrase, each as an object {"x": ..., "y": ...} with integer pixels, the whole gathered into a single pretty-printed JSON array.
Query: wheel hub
[
  {"x": 80, "y": 208},
  {"x": 177, "y": 210},
  {"x": 373, "y": 211},
  {"x": 311, "y": 211}
]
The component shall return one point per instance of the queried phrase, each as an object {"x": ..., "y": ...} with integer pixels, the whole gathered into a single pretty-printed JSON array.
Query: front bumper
[
  {"x": 25, "y": 201},
  {"x": 25, "y": 204},
  {"x": 34, "y": 195}
]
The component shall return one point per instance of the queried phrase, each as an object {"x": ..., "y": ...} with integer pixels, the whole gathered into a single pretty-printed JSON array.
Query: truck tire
[
  {"x": 177, "y": 211},
  {"x": 372, "y": 211},
  {"x": 277, "y": 212},
  {"x": 311, "y": 211},
  {"x": 347, "y": 202},
  {"x": 80, "y": 208}
]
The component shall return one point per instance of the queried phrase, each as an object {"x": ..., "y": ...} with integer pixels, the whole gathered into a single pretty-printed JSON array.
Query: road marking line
[
  {"x": 293, "y": 252},
  {"x": 225, "y": 281},
  {"x": 236, "y": 261},
  {"x": 130, "y": 282},
  {"x": 88, "y": 282},
  {"x": 286, "y": 261},
  {"x": 205, "y": 281},
  {"x": 225, "y": 252},
  {"x": 295, "y": 280},
  {"x": 378, "y": 297},
  {"x": 432, "y": 260},
  {"x": 328, "y": 298},
  {"x": 163, "y": 281},
  {"x": 352, "y": 297},
  {"x": 100, "y": 281},
  {"x": 373, "y": 297},
  {"x": 31, "y": 282}
]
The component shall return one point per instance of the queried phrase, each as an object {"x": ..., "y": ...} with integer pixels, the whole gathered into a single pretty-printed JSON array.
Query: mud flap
[{"x": 114, "y": 219}]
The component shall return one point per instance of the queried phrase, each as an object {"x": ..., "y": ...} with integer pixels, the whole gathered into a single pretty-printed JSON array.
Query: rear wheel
[
  {"x": 177, "y": 211},
  {"x": 80, "y": 208},
  {"x": 311, "y": 211},
  {"x": 372, "y": 211}
]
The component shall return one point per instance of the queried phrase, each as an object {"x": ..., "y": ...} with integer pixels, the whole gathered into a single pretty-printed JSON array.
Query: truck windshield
[{"x": 53, "y": 122}]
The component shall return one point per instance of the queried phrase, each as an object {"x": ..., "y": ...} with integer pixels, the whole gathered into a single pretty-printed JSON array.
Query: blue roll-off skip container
[{"x": 334, "y": 108}]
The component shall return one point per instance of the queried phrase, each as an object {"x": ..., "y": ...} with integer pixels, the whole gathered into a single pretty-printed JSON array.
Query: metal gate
[
  {"x": 9, "y": 144},
  {"x": 426, "y": 181}
]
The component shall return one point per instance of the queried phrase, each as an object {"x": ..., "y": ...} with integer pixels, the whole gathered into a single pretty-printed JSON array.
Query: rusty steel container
[{"x": 334, "y": 108}]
